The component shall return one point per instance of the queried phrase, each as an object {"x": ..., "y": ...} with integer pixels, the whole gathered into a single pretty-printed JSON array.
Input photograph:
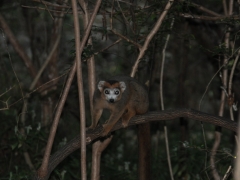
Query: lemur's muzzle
[{"x": 111, "y": 100}]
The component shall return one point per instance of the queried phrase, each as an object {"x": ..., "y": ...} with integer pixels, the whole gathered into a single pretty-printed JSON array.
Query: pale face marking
[{"x": 111, "y": 95}]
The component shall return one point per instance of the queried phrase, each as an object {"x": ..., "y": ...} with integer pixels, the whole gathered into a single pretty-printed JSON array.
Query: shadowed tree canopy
[{"x": 186, "y": 52}]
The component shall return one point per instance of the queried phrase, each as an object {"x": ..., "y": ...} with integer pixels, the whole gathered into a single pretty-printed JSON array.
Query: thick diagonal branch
[
  {"x": 93, "y": 135},
  {"x": 43, "y": 170}
]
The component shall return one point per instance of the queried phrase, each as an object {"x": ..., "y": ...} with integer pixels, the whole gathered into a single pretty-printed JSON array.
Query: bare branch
[
  {"x": 209, "y": 18},
  {"x": 104, "y": 49},
  {"x": 200, "y": 103},
  {"x": 215, "y": 173},
  {"x": 13, "y": 40},
  {"x": 230, "y": 94},
  {"x": 90, "y": 61},
  {"x": 47, "y": 9},
  {"x": 166, "y": 115},
  {"x": 213, "y": 154},
  {"x": 44, "y": 9},
  {"x": 237, "y": 161},
  {"x": 51, "y": 4},
  {"x": 150, "y": 36},
  {"x": 225, "y": 7},
  {"x": 42, "y": 171},
  {"x": 37, "y": 77},
  {"x": 202, "y": 8},
  {"x": 97, "y": 149},
  {"x": 124, "y": 17},
  {"x": 227, "y": 173},
  {"x": 126, "y": 39},
  {"x": 205, "y": 9},
  {"x": 162, "y": 102}
]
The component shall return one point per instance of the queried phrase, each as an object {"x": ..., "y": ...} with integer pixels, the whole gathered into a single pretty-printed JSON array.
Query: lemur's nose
[{"x": 111, "y": 100}]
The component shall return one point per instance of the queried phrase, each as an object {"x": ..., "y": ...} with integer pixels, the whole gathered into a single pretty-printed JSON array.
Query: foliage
[{"x": 195, "y": 53}]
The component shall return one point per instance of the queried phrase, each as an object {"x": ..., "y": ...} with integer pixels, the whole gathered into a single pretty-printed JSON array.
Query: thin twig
[
  {"x": 227, "y": 173},
  {"x": 52, "y": 4},
  {"x": 6, "y": 104},
  {"x": 124, "y": 17},
  {"x": 7, "y": 91},
  {"x": 209, "y": 18},
  {"x": 131, "y": 4},
  {"x": 202, "y": 8},
  {"x": 225, "y": 7},
  {"x": 230, "y": 82},
  {"x": 120, "y": 35},
  {"x": 127, "y": 39},
  {"x": 25, "y": 153},
  {"x": 42, "y": 171},
  {"x": 45, "y": 63},
  {"x": 51, "y": 10},
  {"x": 237, "y": 150},
  {"x": 26, "y": 96},
  {"x": 150, "y": 36},
  {"x": 106, "y": 48},
  {"x": 162, "y": 65},
  {"x": 162, "y": 102},
  {"x": 213, "y": 154},
  {"x": 215, "y": 173},
  {"x": 111, "y": 15},
  {"x": 18, "y": 48},
  {"x": 200, "y": 103},
  {"x": 10, "y": 60},
  {"x": 47, "y": 9},
  {"x": 205, "y": 9},
  {"x": 22, "y": 130}
]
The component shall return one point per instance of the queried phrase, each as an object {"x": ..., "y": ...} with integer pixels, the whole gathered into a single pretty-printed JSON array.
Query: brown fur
[{"x": 133, "y": 100}]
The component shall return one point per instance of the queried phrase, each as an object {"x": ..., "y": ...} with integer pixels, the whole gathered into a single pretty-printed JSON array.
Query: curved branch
[{"x": 93, "y": 135}]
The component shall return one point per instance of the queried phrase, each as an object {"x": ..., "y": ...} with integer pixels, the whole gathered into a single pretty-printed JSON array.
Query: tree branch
[
  {"x": 93, "y": 135},
  {"x": 201, "y": 8},
  {"x": 43, "y": 170},
  {"x": 82, "y": 111},
  {"x": 18, "y": 48},
  {"x": 126, "y": 39},
  {"x": 150, "y": 36},
  {"x": 209, "y": 18}
]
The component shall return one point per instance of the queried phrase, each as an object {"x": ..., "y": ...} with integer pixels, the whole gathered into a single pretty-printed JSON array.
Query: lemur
[{"x": 123, "y": 96}]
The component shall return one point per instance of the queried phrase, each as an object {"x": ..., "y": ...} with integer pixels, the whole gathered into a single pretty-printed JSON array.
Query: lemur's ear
[
  {"x": 122, "y": 86},
  {"x": 101, "y": 85}
]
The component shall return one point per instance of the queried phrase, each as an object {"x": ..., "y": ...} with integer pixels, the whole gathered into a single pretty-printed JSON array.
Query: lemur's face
[
  {"x": 111, "y": 90},
  {"x": 112, "y": 94}
]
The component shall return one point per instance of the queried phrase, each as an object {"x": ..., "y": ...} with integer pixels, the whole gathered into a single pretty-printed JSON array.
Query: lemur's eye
[
  {"x": 106, "y": 92},
  {"x": 116, "y": 92}
]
